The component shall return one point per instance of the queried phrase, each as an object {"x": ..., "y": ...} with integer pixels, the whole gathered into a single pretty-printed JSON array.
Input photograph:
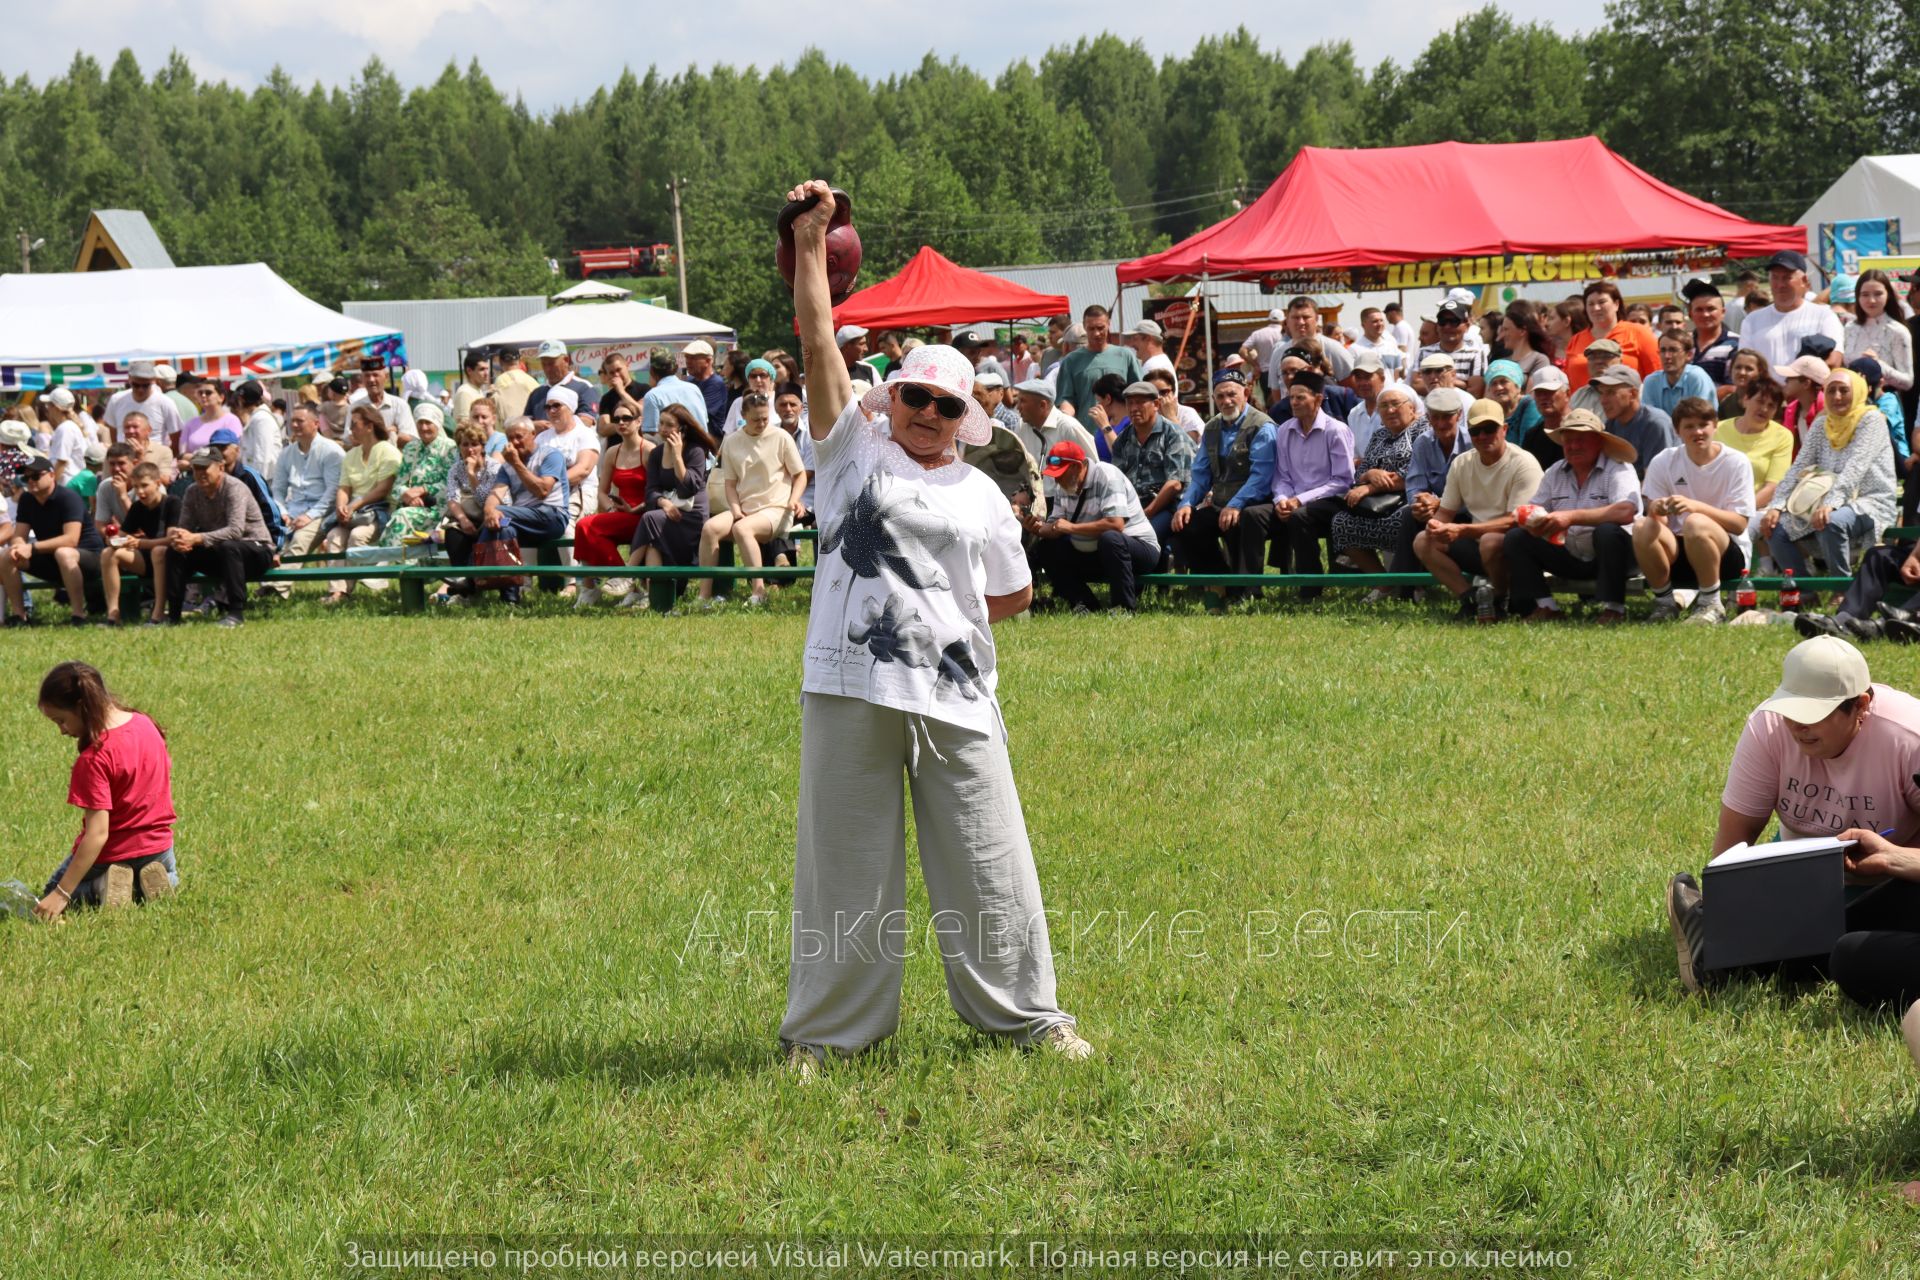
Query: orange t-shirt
[{"x": 1638, "y": 347}]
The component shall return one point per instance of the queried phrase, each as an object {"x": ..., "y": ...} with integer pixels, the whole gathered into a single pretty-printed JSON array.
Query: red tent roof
[
  {"x": 932, "y": 290},
  {"x": 1388, "y": 205}
]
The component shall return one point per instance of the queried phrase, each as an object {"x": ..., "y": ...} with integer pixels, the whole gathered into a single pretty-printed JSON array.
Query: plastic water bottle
[
  {"x": 17, "y": 900},
  {"x": 1789, "y": 594},
  {"x": 1745, "y": 598}
]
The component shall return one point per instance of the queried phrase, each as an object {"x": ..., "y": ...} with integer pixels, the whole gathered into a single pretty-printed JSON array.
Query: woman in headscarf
[
  {"x": 419, "y": 489},
  {"x": 1506, "y": 387},
  {"x": 1372, "y": 521},
  {"x": 1846, "y": 464},
  {"x": 919, "y": 556}
]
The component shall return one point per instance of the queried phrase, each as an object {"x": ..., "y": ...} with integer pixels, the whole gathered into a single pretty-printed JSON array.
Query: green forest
[{"x": 376, "y": 190}]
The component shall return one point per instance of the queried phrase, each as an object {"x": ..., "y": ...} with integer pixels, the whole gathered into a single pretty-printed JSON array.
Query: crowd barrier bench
[{"x": 663, "y": 581}]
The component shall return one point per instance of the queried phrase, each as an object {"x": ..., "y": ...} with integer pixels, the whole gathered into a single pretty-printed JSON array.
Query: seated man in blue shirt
[
  {"x": 1226, "y": 515},
  {"x": 1443, "y": 439},
  {"x": 528, "y": 502},
  {"x": 667, "y": 389}
]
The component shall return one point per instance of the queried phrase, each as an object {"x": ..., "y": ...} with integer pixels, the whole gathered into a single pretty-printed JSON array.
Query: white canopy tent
[
  {"x": 1874, "y": 187},
  {"x": 592, "y": 290},
  {"x": 606, "y": 324},
  {"x": 233, "y": 322}
]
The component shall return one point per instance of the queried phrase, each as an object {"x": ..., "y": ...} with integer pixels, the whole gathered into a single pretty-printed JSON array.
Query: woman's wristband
[{"x": 62, "y": 892}]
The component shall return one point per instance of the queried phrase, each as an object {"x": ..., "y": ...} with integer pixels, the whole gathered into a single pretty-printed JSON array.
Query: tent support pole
[{"x": 1206, "y": 319}]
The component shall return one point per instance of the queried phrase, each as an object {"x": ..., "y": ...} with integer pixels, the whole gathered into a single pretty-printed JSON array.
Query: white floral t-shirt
[{"x": 906, "y": 560}]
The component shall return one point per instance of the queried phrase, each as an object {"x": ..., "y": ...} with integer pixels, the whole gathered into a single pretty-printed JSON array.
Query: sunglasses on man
[
  {"x": 917, "y": 397},
  {"x": 1484, "y": 429}
]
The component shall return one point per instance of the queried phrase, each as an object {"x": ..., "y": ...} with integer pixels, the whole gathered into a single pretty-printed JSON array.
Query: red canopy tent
[
  {"x": 932, "y": 290},
  {"x": 1334, "y": 210}
]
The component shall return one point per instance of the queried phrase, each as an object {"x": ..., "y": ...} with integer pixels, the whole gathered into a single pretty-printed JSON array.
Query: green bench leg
[
  {"x": 661, "y": 593},
  {"x": 548, "y": 556},
  {"x": 413, "y": 595}
]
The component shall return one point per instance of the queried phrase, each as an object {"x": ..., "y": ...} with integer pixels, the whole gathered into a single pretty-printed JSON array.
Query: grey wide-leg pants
[{"x": 851, "y": 935}]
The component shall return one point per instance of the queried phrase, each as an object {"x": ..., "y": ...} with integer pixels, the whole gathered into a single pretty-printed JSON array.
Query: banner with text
[
  {"x": 223, "y": 366},
  {"x": 1515, "y": 268},
  {"x": 1843, "y": 244}
]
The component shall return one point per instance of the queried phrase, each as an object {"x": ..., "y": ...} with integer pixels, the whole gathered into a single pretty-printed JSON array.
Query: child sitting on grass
[{"x": 123, "y": 785}]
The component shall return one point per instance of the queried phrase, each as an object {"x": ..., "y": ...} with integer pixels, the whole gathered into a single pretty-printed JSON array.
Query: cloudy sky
[{"x": 559, "y": 52}]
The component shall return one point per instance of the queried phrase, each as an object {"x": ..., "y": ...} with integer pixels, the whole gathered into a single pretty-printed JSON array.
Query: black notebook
[{"x": 1771, "y": 902}]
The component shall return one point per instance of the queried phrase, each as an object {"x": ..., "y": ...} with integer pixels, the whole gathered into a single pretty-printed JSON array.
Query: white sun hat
[{"x": 946, "y": 371}]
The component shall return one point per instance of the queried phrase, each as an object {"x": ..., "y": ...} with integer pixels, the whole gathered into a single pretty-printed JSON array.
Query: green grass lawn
[{"x": 431, "y": 967}]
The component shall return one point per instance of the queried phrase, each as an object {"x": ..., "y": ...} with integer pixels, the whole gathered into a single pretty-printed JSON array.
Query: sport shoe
[
  {"x": 116, "y": 887},
  {"x": 154, "y": 883},
  {"x": 230, "y": 620},
  {"x": 1687, "y": 917},
  {"x": 1664, "y": 610},
  {"x": 758, "y": 600},
  {"x": 802, "y": 1063},
  {"x": 1706, "y": 615},
  {"x": 1062, "y": 1039},
  {"x": 1375, "y": 596},
  {"x": 588, "y": 597}
]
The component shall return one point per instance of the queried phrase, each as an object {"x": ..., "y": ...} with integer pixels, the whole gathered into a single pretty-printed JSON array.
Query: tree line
[{"x": 451, "y": 189}]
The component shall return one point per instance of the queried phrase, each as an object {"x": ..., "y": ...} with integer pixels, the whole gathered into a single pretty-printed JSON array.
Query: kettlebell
[{"x": 843, "y": 244}]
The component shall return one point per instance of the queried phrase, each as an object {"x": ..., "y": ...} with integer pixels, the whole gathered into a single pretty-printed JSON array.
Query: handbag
[
  {"x": 1380, "y": 504},
  {"x": 500, "y": 551}
]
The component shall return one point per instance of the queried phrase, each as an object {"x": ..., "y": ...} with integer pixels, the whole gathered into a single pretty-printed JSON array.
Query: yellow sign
[
  {"x": 1887, "y": 262},
  {"x": 1520, "y": 268}
]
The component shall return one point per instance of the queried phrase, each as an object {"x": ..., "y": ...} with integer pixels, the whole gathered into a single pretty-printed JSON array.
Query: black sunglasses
[
  {"x": 619, "y": 418},
  {"x": 1484, "y": 429},
  {"x": 917, "y": 397}
]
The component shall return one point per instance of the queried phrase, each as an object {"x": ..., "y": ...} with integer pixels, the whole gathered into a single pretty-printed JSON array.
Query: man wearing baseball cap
[
  {"x": 1602, "y": 354},
  {"x": 1149, "y": 342},
  {"x": 1830, "y": 753},
  {"x": 1467, "y": 535},
  {"x": 1647, "y": 429},
  {"x": 852, "y": 341},
  {"x": 65, "y": 548},
  {"x": 1578, "y": 529},
  {"x": 1097, "y": 532},
  {"x": 697, "y": 356},
  {"x": 143, "y": 395},
  {"x": 174, "y": 386},
  {"x": 557, "y": 365},
  {"x": 1469, "y": 360},
  {"x": 1776, "y": 330},
  {"x": 221, "y": 534}
]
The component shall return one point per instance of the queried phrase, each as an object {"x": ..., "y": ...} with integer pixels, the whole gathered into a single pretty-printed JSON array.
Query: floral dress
[
  {"x": 1386, "y": 452},
  {"x": 422, "y": 466}
]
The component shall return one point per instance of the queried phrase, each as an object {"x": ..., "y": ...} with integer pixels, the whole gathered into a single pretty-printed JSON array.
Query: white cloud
[{"x": 566, "y": 50}]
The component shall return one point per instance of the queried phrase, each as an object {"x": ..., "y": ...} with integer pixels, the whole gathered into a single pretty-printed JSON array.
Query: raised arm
[{"x": 828, "y": 385}]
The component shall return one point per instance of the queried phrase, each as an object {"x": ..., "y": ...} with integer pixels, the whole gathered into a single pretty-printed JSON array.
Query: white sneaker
[
  {"x": 587, "y": 598},
  {"x": 1062, "y": 1039},
  {"x": 758, "y": 600},
  {"x": 615, "y": 588},
  {"x": 713, "y": 602},
  {"x": 634, "y": 600}
]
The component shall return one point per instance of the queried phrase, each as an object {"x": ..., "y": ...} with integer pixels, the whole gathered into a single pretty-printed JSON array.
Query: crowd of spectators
[{"x": 1588, "y": 439}]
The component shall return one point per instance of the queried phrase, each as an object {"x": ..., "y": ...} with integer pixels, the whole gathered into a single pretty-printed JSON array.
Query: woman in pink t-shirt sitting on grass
[{"x": 123, "y": 785}]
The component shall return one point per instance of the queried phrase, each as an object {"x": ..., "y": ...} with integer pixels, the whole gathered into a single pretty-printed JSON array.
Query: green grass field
[{"x": 435, "y": 965}]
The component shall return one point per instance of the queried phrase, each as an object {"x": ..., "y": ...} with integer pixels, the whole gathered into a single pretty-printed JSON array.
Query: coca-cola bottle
[
  {"x": 1745, "y": 598},
  {"x": 1789, "y": 594}
]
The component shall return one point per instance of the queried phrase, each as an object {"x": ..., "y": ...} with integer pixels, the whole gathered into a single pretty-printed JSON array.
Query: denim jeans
[
  {"x": 1847, "y": 530},
  {"x": 87, "y": 892}
]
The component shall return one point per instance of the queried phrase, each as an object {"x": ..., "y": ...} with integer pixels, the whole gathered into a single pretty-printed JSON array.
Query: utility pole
[
  {"x": 26, "y": 252},
  {"x": 679, "y": 240}
]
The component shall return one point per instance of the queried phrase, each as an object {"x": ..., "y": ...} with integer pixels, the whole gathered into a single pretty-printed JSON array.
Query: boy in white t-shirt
[{"x": 1698, "y": 502}]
